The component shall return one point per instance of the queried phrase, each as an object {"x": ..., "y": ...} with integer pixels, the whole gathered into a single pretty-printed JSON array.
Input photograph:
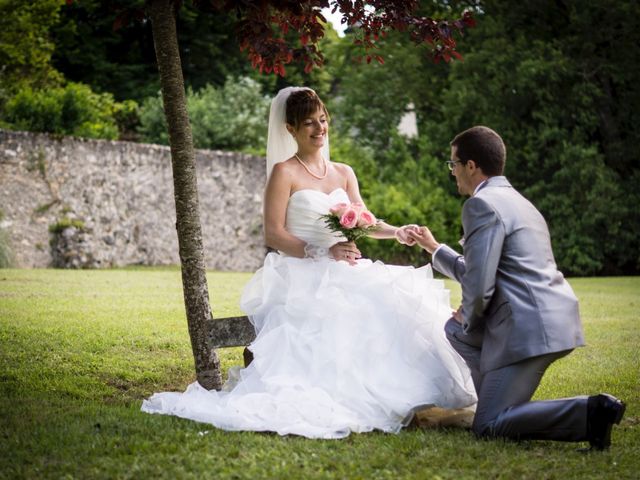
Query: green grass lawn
[{"x": 79, "y": 350}]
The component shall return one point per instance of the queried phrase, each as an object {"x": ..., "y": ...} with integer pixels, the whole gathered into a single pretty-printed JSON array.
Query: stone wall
[{"x": 121, "y": 195}]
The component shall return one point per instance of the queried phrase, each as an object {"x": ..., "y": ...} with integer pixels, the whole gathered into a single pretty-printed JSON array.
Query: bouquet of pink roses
[{"x": 351, "y": 220}]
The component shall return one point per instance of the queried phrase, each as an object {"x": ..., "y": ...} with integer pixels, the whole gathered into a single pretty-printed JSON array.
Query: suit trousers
[{"x": 504, "y": 405}]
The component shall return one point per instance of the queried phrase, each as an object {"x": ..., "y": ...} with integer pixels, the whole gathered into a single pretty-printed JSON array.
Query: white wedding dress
[{"x": 338, "y": 349}]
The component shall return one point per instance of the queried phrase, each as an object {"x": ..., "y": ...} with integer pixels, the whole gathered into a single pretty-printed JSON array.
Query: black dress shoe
[{"x": 602, "y": 412}]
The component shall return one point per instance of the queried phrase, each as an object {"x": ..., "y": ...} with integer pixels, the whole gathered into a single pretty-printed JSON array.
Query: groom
[{"x": 518, "y": 313}]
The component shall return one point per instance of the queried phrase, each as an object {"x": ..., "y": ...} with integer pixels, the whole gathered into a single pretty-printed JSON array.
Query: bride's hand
[
  {"x": 345, "y": 251},
  {"x": 403, "y": 237},
  {"x": 424, "y": 238}
]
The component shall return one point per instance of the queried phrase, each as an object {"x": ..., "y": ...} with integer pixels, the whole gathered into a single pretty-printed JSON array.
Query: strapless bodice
[{"x": 304, "y": 216}]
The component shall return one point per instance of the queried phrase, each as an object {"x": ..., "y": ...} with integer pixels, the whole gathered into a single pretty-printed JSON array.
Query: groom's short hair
[{"x": 484, "y": 147}]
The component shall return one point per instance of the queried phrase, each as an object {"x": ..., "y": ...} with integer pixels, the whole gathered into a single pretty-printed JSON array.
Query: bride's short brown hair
[{"x": 302, "y": 104}]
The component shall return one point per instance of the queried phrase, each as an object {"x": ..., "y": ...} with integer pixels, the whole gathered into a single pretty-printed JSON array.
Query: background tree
[
  {"x": 122, "y": 60},
  {"x": 25, "y": 46}
]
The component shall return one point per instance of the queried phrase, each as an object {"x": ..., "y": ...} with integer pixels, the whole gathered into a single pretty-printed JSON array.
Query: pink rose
[
  {"x": 338, "y": 209},
  {"x": 349, "y": 218},
  {"x": 366, "y": 219}
]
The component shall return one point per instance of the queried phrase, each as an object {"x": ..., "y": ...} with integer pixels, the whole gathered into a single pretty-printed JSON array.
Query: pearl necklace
[{"x": 319, "y": 177}]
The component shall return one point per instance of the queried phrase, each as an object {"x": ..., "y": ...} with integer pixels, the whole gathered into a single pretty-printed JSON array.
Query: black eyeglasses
[{"x": 452, "y": 163}]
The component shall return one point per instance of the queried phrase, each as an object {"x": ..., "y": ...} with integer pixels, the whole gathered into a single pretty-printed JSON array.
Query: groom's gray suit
[{"x": 519, "y": 315}]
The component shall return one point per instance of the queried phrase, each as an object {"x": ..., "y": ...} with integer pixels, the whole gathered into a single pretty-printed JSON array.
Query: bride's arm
[
  {"x": 384, "y": 230},
  {"x": 276, "y": 198}
]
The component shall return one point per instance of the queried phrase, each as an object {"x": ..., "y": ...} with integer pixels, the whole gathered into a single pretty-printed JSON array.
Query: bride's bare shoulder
[
  {"x": 286, "y": 167},
  {"x": 288, "y": 163},
  {"x": 342, "y": 167}
]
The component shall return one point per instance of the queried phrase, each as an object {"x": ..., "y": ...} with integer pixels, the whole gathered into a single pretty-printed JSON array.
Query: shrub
[
  {"x": 153, "y": 127},
  {"x": 70, "y": 110},
  {"x": 233, "y": 117},
  {"x": 127, "y": 117}
]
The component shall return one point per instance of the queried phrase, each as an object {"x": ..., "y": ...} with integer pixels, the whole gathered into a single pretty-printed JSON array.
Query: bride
[{"x": 343, "y": 344}]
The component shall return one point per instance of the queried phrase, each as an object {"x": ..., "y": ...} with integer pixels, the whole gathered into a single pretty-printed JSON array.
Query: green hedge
[
  {"x": 232, "y": 117},
  {"x": 70, "y": 110}
]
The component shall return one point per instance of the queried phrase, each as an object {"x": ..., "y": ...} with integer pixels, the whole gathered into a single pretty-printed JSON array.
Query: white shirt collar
[{"x": 480, "y": 185}]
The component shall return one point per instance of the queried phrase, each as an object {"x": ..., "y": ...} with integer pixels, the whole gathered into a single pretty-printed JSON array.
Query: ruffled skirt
[{"x": 339, "y": 349}]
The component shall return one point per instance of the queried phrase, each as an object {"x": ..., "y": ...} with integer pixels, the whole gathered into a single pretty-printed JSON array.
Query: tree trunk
[{"x": 194, "y": 280}]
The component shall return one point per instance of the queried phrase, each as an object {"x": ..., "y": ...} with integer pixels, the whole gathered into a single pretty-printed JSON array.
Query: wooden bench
[{"x": 231, "y": 332}]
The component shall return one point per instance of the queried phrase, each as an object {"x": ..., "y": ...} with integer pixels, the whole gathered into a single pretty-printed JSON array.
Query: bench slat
[{"x": 230, "y": 332}]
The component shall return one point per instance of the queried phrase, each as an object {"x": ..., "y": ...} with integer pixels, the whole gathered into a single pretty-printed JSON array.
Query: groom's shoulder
[
  {"x": 497, "y": 189},
  {"x": 478, "y": 204},
  {"x": 503, "y": 198}
]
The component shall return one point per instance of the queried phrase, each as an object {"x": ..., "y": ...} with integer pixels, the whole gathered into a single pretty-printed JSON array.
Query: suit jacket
[{"x": 512, "y": 292}]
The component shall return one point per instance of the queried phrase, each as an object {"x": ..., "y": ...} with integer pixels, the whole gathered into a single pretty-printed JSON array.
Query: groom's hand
[
  {"x": 403, "y": 237},
  {"x": 424, "y": 238}
]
